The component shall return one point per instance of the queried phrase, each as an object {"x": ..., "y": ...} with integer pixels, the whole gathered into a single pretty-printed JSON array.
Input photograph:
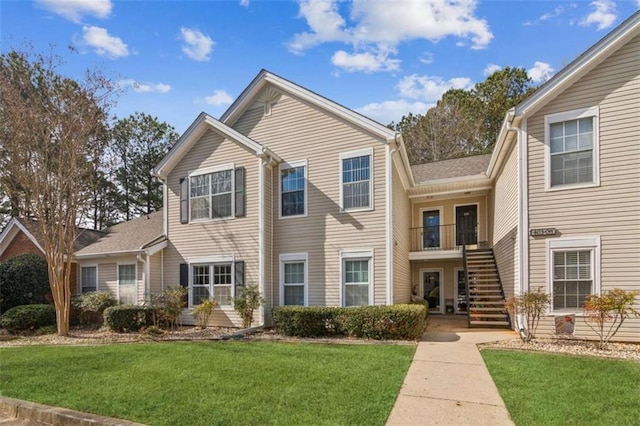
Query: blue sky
[{"x": 382, "y": 58}]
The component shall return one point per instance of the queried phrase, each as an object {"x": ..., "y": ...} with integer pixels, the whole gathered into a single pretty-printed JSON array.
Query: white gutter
[{"x": 389, "y": 222}]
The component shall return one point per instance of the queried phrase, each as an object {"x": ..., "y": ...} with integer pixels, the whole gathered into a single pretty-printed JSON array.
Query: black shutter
[
  {"x": 240, "y": 193},
  {"x": 239, "y": 267},
  {"x": 184, "y": 280},
  {"x": 184, "y": 200}
]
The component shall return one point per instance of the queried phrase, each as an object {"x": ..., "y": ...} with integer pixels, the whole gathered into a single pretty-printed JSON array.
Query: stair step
[
  {"x": 490, "y": 323},
  {"x": 497, "y": 309},
  {"x": 494, "y": 305},
  {"x": 477, "y": 296},
  {"x": 484, "y": 315}
]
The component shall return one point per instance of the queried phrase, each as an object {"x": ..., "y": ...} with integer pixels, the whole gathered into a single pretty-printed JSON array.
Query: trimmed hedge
[
  {"x": 126, "y": 318},
  {"x": 28, "y": 317},
  {"x": 24, "y": 280},
  {"x": 400, "y": 322}
]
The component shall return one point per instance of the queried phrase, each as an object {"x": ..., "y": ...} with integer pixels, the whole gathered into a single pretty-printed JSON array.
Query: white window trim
[
  {"x": 205, "y": 171},
  {"x": 210, "y": 261},
  {"x": 89, "y": 265},
  {"x": 135, "y": 263},
  {"x": 592, "y": 243},
  {"x": 295, "y": 258},
  {"x": 293, "y": 165},
  {"x": 357, "y": 254},
  {"x": 353, "y": 154},
  {"x": 566, "y": 116}
]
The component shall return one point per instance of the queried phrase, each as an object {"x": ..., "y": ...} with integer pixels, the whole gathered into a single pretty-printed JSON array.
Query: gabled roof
[
  {"x": 31, "y": 230},
  {"x": 265, "y": 78},
  {"x": 201, "y": 124},
  {"x": 584, "y": 63},
  {"x": 132, "y": 237},
  {"x": 566, "y": 77},
  {"x": 452, "y": 168}
]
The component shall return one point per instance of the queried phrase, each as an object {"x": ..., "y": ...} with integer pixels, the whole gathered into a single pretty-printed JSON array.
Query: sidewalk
[{"x": 448, "y": 382}]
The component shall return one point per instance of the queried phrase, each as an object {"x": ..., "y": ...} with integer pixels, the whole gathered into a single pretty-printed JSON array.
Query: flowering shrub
[
  {"x": 531, "y": 306},
  {"x": 605, "y": 314}
]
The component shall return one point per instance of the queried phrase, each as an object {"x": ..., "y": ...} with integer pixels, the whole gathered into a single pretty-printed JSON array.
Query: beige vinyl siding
[
  {"x": 234, "y": 236},
  {"x": 297, "y": 131},
  {"x": 401, "y": 241},
  {"x": 108, "y": 273},
  {"x": 505, "y": 221},
  {"x": 156, "y": 274},
  {"x": 448, "y": 207},
  {"x": 611, "y": 209}
]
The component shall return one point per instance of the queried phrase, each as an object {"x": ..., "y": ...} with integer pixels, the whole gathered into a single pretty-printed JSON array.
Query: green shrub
[
  {"x": 167, "y": 306},
  {"x": 92, "y": 305},
  {"x": 247, "y": 302},
  {"x": 424, "y": 303},
  {"x": 605, "y": 314},
  {"x": 28, "y": 317},
  {"x": 403, "y": 322},
  {"x": 127, "y": 318},
  {"x": 24, "y": 280},
  {"x": 203, "y": 311},
  {"x": 529, "y": 306}
]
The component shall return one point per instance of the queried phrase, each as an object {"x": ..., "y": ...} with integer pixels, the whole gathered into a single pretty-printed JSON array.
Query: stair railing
[{"x": 466, "y": 283}]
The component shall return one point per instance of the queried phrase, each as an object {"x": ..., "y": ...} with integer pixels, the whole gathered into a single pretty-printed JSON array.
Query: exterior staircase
[{"x": 484, "y": 290}]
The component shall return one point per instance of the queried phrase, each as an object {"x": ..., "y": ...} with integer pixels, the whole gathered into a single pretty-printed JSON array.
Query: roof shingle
[{"x": 452, "y": 168}]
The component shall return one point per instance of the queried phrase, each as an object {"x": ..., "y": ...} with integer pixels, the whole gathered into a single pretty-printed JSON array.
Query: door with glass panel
[
  {"x": 461, "y": 292},
  {"x": 127, "y": 284},
  {"x": 431, "y": 283},
  {"x": 431, "y": 229},
  {"x": 467, "y": 225}
]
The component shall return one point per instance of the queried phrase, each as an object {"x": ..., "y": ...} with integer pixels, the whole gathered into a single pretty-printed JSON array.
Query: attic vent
[
  {"x": 267, "y": 108},
  {"x": 267, "y": 98}
]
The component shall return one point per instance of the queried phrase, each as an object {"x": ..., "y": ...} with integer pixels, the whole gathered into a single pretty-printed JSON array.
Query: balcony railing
[{"x": 443, "y": 237}]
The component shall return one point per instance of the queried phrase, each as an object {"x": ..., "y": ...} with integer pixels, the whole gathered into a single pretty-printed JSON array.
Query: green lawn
[
  {"x": 545, "y": 389},
  {"x": 189, "y": 383}
]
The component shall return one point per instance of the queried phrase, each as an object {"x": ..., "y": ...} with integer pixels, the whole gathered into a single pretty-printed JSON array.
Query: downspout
[
  {"x": 261, "y": 233},
  {"x": 389, "y": 221},
  {"x": 145, "y": 274}
]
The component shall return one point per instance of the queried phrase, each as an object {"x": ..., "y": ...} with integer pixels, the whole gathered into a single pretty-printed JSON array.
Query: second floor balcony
[{"x": 444, "y": 240}]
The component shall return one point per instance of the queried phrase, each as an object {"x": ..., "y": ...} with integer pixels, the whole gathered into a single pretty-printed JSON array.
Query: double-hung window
[
  {"x": 89, "y": 278},
  {"x": 293, "y": 189},
  {"x": 357, "y": 278},
  {"x": 573, "y": 271},
  {"x": 293, "y": 279},
  {"x": 214, "y": 193},
  {"x": 212, "y": 281},
  {"x": 356, "y": 171},
  {"x": 572, "y": 149}
]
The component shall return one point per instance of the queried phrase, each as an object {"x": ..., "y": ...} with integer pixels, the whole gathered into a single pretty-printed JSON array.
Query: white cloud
[
  {"x": 145, "y": 87},
  {"x": 74, "y": 10},
  {"x": 604, "y": 15},
  {"x": 372, "y": 26},
  {"x": 540, "y": 72},
  {"x": 388, "y": 111},
  {"x": 367, "y": 62},
  {"x": 427, "y": 58},
  {"x": 196, "y": 45},
  {"x": 244, "y": 3},
  {"x": 430, "y": 89},
  {"x": 490, "y": 69},
  {"x": 103, "y": 43},
  {"x": 377, "y": 23},
  {"x": 218, "y": 98}
]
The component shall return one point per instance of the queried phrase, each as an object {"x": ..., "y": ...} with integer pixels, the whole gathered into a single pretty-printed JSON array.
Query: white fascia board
[
  {"x": 264, "y": 77},
  {"x": 197, "y": 128},
  {"x": 472, "y": 179},
  {"x": 584, "y": 63},
  {"x": 108, "y": 254},
  {"x": 150, "y": 251}
]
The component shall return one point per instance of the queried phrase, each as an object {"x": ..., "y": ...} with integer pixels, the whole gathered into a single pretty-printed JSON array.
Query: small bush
[
  {"x": 605, "y": 314},
  {"x": 167, "y": 306},
  {"x": 128, "y": 318},
  {"x": 203, "y": 311},
  {"x": 247, "y": 302},
  {"x": 530, "y": 306},
  {"x": 92, "y": 305},
  {"x": 403, "y": 322},
  {"x": 24, "y": 280},
  {"x": 28, "y": 317}
]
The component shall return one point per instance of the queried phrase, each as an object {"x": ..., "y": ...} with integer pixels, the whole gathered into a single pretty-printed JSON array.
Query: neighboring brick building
[{"x": 21, "y": 236}]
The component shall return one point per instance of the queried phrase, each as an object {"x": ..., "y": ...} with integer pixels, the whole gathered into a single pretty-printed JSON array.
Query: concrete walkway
[{"x": 448, "y": 382}]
